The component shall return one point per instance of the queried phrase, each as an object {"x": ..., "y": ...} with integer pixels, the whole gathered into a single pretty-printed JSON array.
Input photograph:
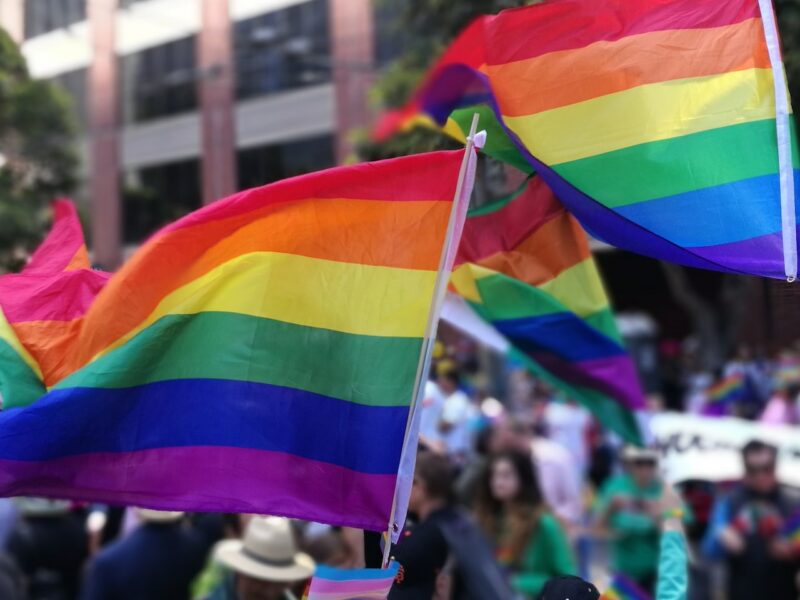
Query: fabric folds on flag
[
  {"x": 41, "y": 308},
  {"x": 330, "y": 583},
  {"x": 653, "y": 121},
  {"x": 524, "y": 265},
  {"x": 258, "y": 355}
]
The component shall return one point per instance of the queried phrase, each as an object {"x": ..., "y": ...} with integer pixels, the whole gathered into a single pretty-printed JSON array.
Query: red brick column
[
  {"x": 353, "y": 54},
  {"x": 103, "y": 120},
  {"x": 216, "y": 90}
]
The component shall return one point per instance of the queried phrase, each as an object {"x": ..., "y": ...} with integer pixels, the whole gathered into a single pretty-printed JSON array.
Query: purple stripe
[
  {"x": 330, "y": 586},
  {"x": 614, "y": 376},
  {"x": 210, "y": 479},
  {"x": 762, "y": 254}
]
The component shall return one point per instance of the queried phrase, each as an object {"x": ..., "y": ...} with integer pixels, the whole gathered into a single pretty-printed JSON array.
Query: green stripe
[
  {"x": 375, "y": 371},
  {"x": 608, "y": 411},
  {"x": 498, "y": 145},
  {"x": 19, "y": 385},
  {"x": 677, "y": 165},
  {"x": 604, "y": 322},
  {"x": 500, "y": 203}
]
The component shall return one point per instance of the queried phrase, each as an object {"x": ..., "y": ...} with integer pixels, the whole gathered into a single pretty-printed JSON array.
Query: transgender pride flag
[{"x": 329, "y": 583}]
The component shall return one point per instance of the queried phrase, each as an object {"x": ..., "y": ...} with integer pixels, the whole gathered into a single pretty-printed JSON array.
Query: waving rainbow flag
[
  {"x": 524, "y": 266},
  {"x": 258, "y": 355},
  {"x": 663, "y": 125},
  {"x": 724, "y": 393},
  {"x": 622, "y": 588},
  {"x": 41, "y": 309},
  {"x": 330, "y": 583},
  {"x": 791, "y": 529}
]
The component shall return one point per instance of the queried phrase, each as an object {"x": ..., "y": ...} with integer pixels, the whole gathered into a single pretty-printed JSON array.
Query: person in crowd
[
  {"x": 551, "y": 461},
  {"x": 567, "y": 423},
  {"x": 50, "y": 545},
  {"x": 528, "y": 540},
  {"x": 746, "y": 531},
  {"x": 782, "y": 407},
  {"x": 431, "y": 407},
  {"x": 673, "y": 563},
  {"x": 422, "y": 550},
  {"x": 157, "y": 560},
  {"x": 628, "y": 507},
  {"x": 12, "y": 583},
  {"x": 456, "y": 413},
  {"x": 264, "y": 565}
]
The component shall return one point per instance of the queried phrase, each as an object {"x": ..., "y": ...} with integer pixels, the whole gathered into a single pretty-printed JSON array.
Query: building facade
[{"x": 180, "y": 102}]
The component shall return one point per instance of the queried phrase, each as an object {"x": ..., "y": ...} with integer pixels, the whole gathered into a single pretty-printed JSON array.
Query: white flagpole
[{"x": 458, "y": 214}]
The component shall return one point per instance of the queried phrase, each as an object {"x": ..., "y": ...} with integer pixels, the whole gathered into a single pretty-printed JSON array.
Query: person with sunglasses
[{"x": 747, "y": 531}]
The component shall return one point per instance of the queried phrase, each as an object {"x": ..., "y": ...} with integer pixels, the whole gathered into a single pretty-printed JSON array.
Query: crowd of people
[{"x": 521, "y": 499}]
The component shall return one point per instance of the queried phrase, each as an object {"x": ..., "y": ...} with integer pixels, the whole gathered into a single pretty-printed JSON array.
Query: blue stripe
[
  {"x": 563, "y": 334},
  {"x": 717, "y": 215},
  {"x": 206, "y": 412},
  {"x": 334, "y": 574}
]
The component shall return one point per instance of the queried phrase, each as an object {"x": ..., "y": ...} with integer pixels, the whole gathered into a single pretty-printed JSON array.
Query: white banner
[{"x": 694, "y": 447}]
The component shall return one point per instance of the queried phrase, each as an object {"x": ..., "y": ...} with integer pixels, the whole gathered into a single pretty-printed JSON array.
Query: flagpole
[{"x": 458, "y": 213}]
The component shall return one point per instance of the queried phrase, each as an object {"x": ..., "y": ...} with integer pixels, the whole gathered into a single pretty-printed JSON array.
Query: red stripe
[
  {"x": 567, "y": 24},
  {"x": 503, "y": 230}
]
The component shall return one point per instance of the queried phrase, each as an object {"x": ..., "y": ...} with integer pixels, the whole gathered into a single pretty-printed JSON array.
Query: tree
[{"x": 38, "y": 160}]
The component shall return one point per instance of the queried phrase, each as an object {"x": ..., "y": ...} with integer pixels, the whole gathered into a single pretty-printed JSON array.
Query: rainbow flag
[
  {"x": 41, "y": 308},
  {"x": 330, "y": 583},
  {"x": 791, "y": 529},
  {"x": 622, "y": 588},
  {"x": 258, "y": 355},
  {"x": 724, "y": 393},
  {"x": 525, "y": 267},
  {"x": 663, "y": 125}
]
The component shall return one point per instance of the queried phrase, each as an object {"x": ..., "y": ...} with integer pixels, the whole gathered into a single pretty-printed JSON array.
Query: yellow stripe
[
  {"x": 579, "y": 288},
  {"x": 348, "y": 297},
  {"x": 7, "y": 335},
  {"x": 646, "y": 113},
  {"x": 463, "y": 280}
]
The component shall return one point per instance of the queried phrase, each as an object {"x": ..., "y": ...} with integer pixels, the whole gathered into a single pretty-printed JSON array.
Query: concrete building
[{"x": 181, "y": 102}]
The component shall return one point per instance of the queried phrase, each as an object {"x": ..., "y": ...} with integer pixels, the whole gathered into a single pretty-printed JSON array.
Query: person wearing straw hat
[
  {"x": 264, "y": 565},
  {"x": 158, "y": 560}
]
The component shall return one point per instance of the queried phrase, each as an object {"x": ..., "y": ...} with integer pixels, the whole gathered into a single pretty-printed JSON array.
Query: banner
[{"x": 694, "y": 447}]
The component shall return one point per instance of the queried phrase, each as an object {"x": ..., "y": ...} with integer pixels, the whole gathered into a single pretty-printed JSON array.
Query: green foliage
[{"x": 39, "y": 161}]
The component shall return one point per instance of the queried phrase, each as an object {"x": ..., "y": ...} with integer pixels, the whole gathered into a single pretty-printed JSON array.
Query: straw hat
[
  {"x": 633, "y": 453},
  {"x": 147, "y": 515},
  {"x": 267, "y": 552},
  {"x": 41, "y": 507}
]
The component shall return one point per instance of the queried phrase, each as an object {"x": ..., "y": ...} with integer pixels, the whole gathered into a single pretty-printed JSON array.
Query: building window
[
  {"x": 159, "y": 81},
  {"x": 42, "y": 16},
  {"x": 282, "y": 50},
  {"x": 265, "y": 164},
  {"x": 158, "y": 195}
]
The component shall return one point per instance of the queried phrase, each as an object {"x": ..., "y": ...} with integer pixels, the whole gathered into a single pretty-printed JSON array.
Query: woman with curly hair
[{"x": 529, "y": 541}]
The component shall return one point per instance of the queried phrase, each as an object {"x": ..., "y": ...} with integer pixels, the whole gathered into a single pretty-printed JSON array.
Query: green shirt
[
  {"x": 636, "y": 534},
  {"x": 547, "y": 555}
]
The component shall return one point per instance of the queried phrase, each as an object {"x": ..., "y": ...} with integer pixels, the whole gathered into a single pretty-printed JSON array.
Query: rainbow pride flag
[
  {"x": 791, "y": 529},
  {"x": 525, "y": 267},
  {"x": 622, "y": 588},
  {"x": 726, "y": 392},
  {"x": 258, "y": 355},
  {"x": 663, "y": 125},
  {"x": 41, "y": 308},
  {"x": 330, "y": 583}
]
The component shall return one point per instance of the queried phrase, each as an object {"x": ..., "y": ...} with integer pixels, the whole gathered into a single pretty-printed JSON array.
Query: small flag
[
  {"x": 330, "y": 583},
  {"x": 622, "y": 588},
  {"x": 791, "y": 529},
  {"x": 724, "y": 393}
]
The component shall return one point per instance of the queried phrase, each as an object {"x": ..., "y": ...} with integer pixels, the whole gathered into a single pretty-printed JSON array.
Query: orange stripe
[
  {"x": 544, "y": 254},
  {"x": 51, "y": 343},
  {"x": 380, "y": 233},
  {"x": 569, "y": 76}
]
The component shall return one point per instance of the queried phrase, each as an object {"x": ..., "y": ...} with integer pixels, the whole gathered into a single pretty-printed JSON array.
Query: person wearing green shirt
[
  {"x": 528, "y": 540},
  {"x": 629, "y": 508}
]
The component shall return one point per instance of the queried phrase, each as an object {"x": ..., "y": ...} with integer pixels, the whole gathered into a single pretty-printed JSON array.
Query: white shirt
[
  {"x": 456, "y": 412},
  {"x": 558, "y": 480},
  {"x": 431, "y": 412},
  {"x": 567, "y": 425}
]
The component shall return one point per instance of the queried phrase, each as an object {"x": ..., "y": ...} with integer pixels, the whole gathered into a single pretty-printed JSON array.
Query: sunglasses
[
  {"x": 644, "y": 462},
  {"x": 760, "y": 469}
]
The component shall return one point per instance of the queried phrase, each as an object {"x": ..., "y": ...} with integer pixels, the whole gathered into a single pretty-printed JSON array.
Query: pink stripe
[
  {"x": 210, "y": 479},
  {"x": 331, "y": 586}
]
